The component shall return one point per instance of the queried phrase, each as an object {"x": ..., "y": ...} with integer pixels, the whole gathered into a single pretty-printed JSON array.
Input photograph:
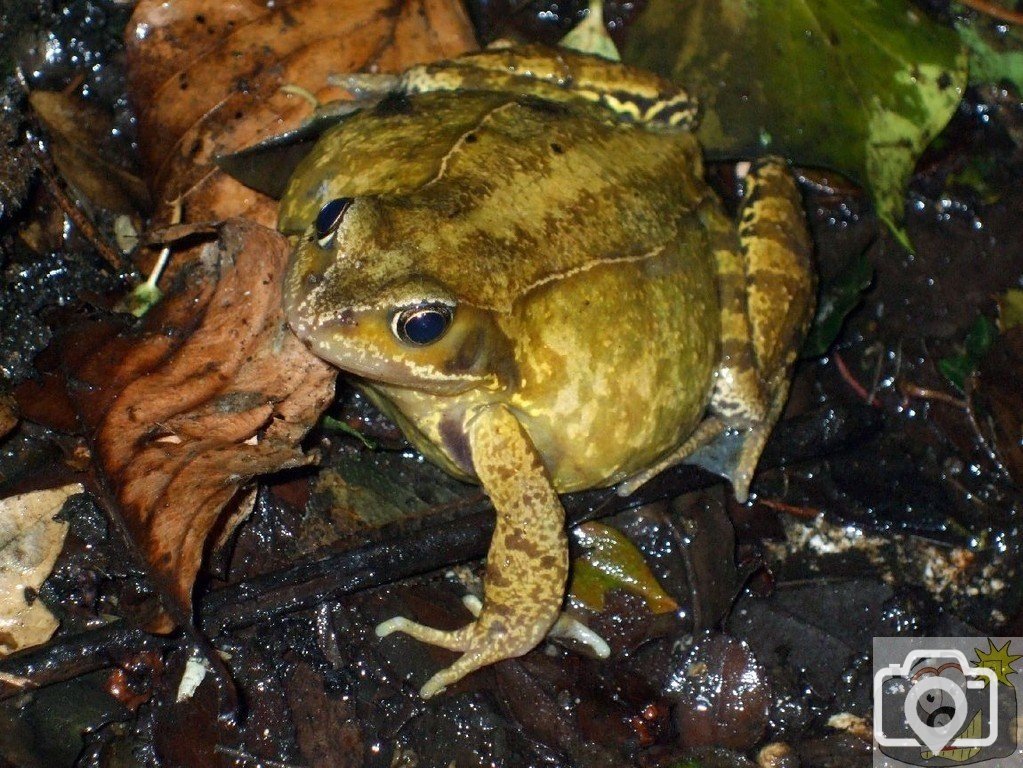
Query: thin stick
[
  {"x": 245, "y": 757},
  {"x": 109, "y": 254},
  {"x": 994, "y": 10},
  {"x": 804, "y": 513},
  {"x": 165, "y": 253},
  {"x": 925, "y": 393},
  {"x": 852, "y": 381}
]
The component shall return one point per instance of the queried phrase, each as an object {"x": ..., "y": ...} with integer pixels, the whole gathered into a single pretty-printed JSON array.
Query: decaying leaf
[
  {"x": 231, "y": 401},
  {"x": 30, "y": 540},
  {"x": 610, "y": 561},
  {"x": 996, "y": 400},
  {"x": 837, "y": 299},
  {"x": 861, "y": 86},
  {"x": 77, "y": 129},
  {"x": 207, "y": 392},
  {"x": 8, "y": 414},
  {"x": 209, "y": 79}
]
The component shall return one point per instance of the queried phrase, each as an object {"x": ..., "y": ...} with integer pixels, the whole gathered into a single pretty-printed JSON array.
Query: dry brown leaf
[
  {"x": 209, "y": 391},
  {"x": 206, "y": 79},
  {"x": 214, "y": 390},
  {"x": 30, "y": 540},
  {"x": 220, "y": 395},
  {"x": 996, "y": 401},
  {"x": 8, "y": 414},
  {"x": 77, "y": 130}
]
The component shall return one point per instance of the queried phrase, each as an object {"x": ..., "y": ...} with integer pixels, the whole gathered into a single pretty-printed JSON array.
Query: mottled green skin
[{"x": 591, "y": 271}]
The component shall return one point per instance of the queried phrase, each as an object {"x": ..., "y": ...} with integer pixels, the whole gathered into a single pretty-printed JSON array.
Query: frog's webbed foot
[
  {"x": 485, "y": 641},
  {"x": 527, "y": 565}
]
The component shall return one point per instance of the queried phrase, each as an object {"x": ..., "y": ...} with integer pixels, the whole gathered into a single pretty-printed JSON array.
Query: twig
[
  {"x": 72, "y": 656},
  {"x": 245, "y": 757},
  {"x": 994, "y": 10},
  {"x": 852, "y": 381},
  {"x": 804, "y": 513},
  {"x": 924, "y": 393},
  {"x": 109, "y": 254}
]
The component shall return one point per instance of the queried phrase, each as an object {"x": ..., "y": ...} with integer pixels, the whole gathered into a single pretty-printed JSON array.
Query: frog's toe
[
  {"x": 569, "y": 627},
  {"x": 482, "y": 642},
  {"x": 452, "y": 640}
]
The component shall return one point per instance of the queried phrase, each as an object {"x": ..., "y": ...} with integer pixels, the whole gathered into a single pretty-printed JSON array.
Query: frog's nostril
[{"x": 312, "y": 279}]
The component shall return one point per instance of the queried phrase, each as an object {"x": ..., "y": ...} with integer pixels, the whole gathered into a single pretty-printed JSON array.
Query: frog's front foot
[{"x": 490, "y": 638}]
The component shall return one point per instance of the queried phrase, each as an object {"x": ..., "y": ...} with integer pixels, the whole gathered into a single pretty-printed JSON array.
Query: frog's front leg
[{"x": 527, "y": 566}]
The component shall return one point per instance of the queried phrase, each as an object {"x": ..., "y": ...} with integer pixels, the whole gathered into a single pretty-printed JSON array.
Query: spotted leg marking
[
  {"x": 775, "y": 275},
  {"x": 527, "y": 566}
]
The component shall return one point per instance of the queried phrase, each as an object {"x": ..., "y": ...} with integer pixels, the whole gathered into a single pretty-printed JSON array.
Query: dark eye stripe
[{"x": 329, "y": 218}]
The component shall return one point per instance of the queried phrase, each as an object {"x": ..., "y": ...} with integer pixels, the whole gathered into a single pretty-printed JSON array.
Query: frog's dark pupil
[
  {"x": 330, "y": 216},
  {"x": 423, "y": 325}
]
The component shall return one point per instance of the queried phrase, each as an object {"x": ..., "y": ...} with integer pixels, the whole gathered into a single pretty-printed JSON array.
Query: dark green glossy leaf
[
  {"x": 994, "y": 55},
  {"x": 860, "y": 86},
  {"x": 837, "y": 300},
  {"x": 957, "y": 368}
]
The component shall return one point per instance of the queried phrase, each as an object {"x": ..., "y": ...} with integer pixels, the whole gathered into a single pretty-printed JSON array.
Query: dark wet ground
[{"x": 885, "y": 507}]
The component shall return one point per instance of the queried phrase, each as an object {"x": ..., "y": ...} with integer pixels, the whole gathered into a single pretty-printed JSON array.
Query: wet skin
[{"x": 517, "y": 258}]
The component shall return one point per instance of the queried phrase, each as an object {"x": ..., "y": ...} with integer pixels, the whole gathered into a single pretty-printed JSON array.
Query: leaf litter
[{"x": 362, "y": 680}]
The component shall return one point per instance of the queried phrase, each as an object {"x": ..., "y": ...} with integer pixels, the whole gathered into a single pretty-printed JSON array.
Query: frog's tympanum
[{"x": 515, "y": 254}]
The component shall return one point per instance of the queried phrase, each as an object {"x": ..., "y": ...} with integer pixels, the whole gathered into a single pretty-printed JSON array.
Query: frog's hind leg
[
  {"x": 527, "y": 566},
  {"x": 766, "y": 288},
  {"x": 767, "y": 293}
]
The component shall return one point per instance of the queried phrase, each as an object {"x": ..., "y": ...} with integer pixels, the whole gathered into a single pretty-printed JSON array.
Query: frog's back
[{"x": 492, "y": 194}]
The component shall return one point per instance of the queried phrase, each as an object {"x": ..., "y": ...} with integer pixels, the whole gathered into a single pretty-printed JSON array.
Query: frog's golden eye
[
  {"x": 329, "y": 218},
  {"x": 422, "y": 324}
]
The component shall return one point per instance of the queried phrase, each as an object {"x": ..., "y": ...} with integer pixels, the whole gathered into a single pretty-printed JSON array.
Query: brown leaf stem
[
  {"x": 994, "y": 10},
  {"x": 107, "y": 252}
]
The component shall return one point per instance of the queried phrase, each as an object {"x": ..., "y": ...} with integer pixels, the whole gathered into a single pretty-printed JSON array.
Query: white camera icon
[{"x": 935, "y": 707}]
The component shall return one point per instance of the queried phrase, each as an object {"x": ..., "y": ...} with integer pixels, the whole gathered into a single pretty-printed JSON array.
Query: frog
[{"x": 516, "y": 256}]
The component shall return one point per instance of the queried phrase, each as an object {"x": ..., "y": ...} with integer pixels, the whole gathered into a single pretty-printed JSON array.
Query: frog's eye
[
  {"x": 422, "y": 324},
  {"x": 328, "y": 219}
]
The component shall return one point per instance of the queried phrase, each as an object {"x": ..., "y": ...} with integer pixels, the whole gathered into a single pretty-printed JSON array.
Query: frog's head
[{"x": 358, "y": 296}]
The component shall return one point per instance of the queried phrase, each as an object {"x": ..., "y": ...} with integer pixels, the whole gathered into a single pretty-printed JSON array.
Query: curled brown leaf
[
  {"x": 185, "y": 408},
  {"x": 203, "y": 412},
  {"x": 207, "y": 79}
]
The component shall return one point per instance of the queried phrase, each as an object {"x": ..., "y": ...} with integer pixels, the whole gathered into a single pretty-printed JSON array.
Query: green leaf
[
  {"x": 994, "y": 56},
  {"x": 332, "y": 424},
  {"x": 957, "y": 368},
  {"x": 591, "y": 36},
  {"x": 860, "y": 86},
  {"x": 611, "y": 561},
  {"x": 837, "y": 300}
]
